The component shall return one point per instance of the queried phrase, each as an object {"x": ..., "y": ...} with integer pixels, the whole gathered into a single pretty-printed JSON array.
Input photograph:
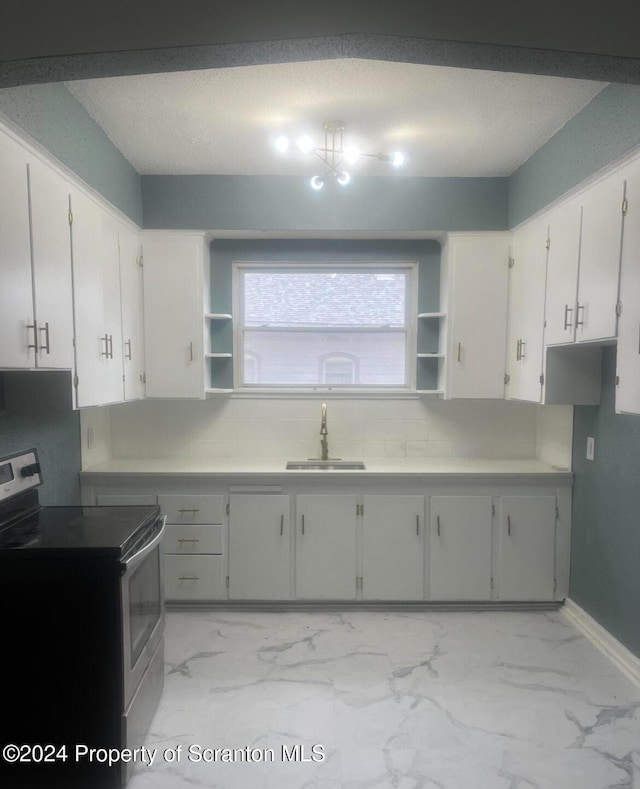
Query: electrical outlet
[{"x": 591, "y": 447}]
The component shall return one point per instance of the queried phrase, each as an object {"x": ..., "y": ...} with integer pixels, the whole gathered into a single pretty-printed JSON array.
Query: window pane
[
  {"x": 290, "y": 358},
  {"x": 319, "y": 298}
]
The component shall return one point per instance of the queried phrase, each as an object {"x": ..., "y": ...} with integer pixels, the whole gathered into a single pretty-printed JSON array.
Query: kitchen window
[{"x": 325, "y": 326}]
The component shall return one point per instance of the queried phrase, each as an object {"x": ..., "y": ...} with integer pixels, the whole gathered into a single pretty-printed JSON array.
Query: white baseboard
[{"x": 618, "y": 654}]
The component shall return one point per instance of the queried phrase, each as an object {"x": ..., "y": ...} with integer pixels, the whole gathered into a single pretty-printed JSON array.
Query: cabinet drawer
[
  {"x": 124, "y": 500},
  {"x": 192, "y": 509},
  {"x": 193, "y": 539},
  {"x": 194, "y": 577}
]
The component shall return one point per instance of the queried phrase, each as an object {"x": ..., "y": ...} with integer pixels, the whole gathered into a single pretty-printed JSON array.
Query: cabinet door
[
  {"x": 51, "y": 249},
  {"x": 17, "y": 328},
  {"x": 326, "y": 547},
  {"x": 628, "y": 355},
  {"x": 132, "y": 314},
  {"x": 527, "y": 547},
  {"x": 174, "y": 315},
  {"x": 460, "y": 558},
  {"x": 527, "y": 282},
  {"x": 600, "y": 260},
  {"x": 562, "y": 273},
  {"x": 478, "y": 316},
  {"x": 393, "y": 548},
  {"x": 96, "y": 303},
  {"x": 259, "y": 547}
]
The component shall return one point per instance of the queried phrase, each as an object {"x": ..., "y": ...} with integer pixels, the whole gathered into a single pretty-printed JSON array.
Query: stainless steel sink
[{"x": 331, "y": 465}]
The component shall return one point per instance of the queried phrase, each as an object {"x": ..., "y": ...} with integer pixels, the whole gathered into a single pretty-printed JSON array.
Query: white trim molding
[{"x": 622, "y": 658}]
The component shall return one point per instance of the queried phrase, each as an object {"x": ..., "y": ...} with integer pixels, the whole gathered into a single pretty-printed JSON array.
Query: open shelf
[
  {"x": 430, "y": 391},
  {"x": 432, "y": 315},
  {"x": 218, "y": 355},
  {"x": 218, "y": 316},
  {"x": 431, "y": 355}
]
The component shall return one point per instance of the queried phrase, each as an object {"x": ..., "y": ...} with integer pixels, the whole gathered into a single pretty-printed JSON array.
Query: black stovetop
[{"x": 64, "y": 530}]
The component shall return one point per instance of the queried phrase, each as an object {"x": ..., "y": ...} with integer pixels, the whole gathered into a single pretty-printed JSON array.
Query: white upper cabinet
[
  {"x": 598, "y": 276},
  {"x": 628, "y": 356},
  {"x": 132, "y": 313},
  {"x": 477, "y": 314},
  {"x": 174, "y": 291},
  {"x": 18, "y": 336},
  {"x": 51, "y": 250},
  {"x": 562, "y": 273},
  {"x": 96, "y": 301},
  {"x": 527, "y": 283}
]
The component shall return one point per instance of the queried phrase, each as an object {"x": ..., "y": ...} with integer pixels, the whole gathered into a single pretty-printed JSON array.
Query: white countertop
[{"x": 374, "y": 467}]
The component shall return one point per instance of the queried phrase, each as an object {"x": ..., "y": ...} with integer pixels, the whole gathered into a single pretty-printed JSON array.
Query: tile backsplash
[{"x": 289, "y": 428}]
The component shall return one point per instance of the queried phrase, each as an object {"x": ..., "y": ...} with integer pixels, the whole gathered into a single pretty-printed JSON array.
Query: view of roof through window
[{"x": 319, "y": 298}]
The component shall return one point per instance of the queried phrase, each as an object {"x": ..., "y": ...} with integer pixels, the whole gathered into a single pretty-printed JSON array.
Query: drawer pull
[
  {"x": 281, "y": 525},
  {"x": 188, "y": 578},
  {"x": 438, "y": 524},
  {"x": 188, "y": 539},
  {"x": 509, "y": 525},
  {"x": 418, "y": 525},
  {"x": 303, "y": 524},
  {"x": 189, "y": 509}
]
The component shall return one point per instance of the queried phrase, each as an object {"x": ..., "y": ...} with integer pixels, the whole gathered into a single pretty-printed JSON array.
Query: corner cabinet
[{"x": 176, "y": 296}]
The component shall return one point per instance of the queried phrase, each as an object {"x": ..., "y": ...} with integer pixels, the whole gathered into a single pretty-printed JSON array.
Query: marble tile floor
[{"x": 415, "y": 700}]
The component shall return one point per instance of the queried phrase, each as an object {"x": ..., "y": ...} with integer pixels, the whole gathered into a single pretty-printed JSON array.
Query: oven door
[{"x": 142, "y": 598}]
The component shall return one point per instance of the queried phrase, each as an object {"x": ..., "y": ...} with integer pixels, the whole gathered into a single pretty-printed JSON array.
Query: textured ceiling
[{"x": 447, "y": 121}]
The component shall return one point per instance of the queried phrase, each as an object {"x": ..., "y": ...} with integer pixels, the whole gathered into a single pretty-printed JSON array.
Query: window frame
[{"x": 239, "y": 267}]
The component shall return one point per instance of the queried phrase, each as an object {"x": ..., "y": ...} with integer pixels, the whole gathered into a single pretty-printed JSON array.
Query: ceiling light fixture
[{"x": 333, "y": 154}]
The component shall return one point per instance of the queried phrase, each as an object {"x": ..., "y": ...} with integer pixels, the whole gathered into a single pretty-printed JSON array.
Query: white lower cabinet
[
  {"x": 193, "y": 547},
  {"x": 527, "y": 548},
  {"x": 441, "y": 541},
  {"x": 326, "y": 547},
  {"x": 460, "y": 567},
  {"x": 393, "y": 547},
  {"x": 259, "y": 548}
]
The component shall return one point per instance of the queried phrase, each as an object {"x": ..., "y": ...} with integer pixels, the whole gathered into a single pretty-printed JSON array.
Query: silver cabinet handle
[
  {"x": 105, "y": 353},
  {"x": 281, "y": 525},
  {"x": 46, "y": 347},
  {"x": 188, "y": 539},
  {"x": 128, "y": 354},
  {"x": 35, "y": 336},
  {"x": 518, "y": 350},
  {"x": 567, "y": 310},
  {"x": 578, "y": 321},
  {"x": 459, "y": 356},
  {"x": 522, "y": 344},
  {"x": 188, "y": 577},
  {"x": 189, "y": 509},
  {"x": 438, "y": 525},
  {"x": 509, "y": 525},
  {"x": 303, "y": 524},
  {"x": 417, "y": 524},
  {"x": 111, "y": 346},
  {"x": 191, "y": 351},
  {"x": 639, "y": 338}
]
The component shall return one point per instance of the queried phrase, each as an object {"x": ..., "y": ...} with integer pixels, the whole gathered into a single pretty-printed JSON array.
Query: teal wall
[
  {"x": 605, "y": 541},
  {"x": 56, "y": 435},
  {"x": 285, "y": 203},
  {"x": 52, "y": 116},
  {"x": 607, "y": 128}
]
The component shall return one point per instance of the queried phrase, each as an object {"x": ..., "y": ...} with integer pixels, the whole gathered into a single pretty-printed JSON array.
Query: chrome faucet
[{"x": 324, "y": 443}]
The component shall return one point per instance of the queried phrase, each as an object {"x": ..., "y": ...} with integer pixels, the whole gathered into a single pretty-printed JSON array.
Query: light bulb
[
  {"x": 351, "y": 155},
  {"x": 317, "y": 182},
  {"x": 398, "y": 159},
  {"x": 281, "y": 143},
  {"x": 305, "y": 144},
  {"x": 343, "y": 178}
]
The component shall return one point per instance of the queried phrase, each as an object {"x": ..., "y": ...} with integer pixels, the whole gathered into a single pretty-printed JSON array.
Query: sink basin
[{"x": 330, "y": 465}]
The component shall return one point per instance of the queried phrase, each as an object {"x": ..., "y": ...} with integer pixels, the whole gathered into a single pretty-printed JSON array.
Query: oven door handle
[{"x": 140, "y": 555}]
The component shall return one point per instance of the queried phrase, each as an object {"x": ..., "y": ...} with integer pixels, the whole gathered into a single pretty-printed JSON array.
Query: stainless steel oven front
[{"x": 142, "y": 600}]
